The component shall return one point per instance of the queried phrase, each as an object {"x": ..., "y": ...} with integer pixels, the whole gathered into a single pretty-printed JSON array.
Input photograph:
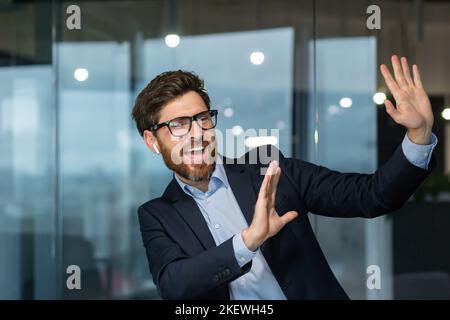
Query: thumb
[
  {"x": 391, "y": 110},
  {"x": 288, "y": 217}
]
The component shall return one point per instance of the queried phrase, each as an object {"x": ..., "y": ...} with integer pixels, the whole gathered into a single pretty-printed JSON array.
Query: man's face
[{"x": 191, "y": 156}]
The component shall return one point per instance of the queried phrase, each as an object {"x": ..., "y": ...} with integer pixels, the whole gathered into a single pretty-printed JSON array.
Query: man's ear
[{"x": 151, "y": 141}]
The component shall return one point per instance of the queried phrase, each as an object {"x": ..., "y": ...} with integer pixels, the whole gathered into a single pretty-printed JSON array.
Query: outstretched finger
[
  {"x": 272, "y": 171},
  {"x": 390, "y": 82},
  {"x": 406, "y": 73},
  {"x": 417, "y": 79},
  {"x": 398, "y": 72},
  {"x": 265, "y": 185},
  {"x": 274, "y": 185}
]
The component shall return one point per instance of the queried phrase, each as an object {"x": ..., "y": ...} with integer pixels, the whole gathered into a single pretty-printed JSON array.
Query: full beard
[{"x": 197, "y": 170}]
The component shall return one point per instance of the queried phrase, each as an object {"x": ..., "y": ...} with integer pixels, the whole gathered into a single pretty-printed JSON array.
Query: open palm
[
  {"x": 266, "y": 220},
  {"x": 413, "y": 108}
]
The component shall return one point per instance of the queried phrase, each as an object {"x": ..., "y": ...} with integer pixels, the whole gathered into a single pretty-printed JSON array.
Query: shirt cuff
[
  {"x": 241, "y": 252},
  {"x": 418, "y": 154}
]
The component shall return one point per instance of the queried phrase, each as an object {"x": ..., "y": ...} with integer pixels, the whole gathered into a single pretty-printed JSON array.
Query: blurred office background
[{"x": 73, "y": 169}]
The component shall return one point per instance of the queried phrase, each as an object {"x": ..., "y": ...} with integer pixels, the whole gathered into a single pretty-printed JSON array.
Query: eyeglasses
[{"x": 179, "y": 127}]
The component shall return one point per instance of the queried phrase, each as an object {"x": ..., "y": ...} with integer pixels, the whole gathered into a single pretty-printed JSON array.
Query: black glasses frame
[{"x": 213, "y": 114}]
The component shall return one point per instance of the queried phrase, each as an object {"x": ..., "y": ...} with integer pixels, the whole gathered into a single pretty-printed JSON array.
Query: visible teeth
[{"x": 196, "y": 149}]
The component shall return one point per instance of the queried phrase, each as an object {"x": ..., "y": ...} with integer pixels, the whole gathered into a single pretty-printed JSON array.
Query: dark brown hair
[{"x": 160, "y": 91}]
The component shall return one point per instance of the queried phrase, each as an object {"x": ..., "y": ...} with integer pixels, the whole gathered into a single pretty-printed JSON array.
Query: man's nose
[{"x": 196, "y": 130}]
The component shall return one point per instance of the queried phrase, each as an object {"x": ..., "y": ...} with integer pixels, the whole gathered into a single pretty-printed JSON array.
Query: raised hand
[
  {"x": 413, "y": 108},
  {"x": 266, "y": 221}
]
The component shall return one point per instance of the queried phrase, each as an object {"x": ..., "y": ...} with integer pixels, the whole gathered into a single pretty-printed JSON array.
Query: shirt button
[
  {"x": 425, "y": 154},
  {"x": 217, "y": 226},
  {"x": 242, "y": 258}
]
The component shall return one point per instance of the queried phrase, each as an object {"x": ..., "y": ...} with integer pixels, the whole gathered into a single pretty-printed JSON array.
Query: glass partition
[{"x": 73, "y": 168}]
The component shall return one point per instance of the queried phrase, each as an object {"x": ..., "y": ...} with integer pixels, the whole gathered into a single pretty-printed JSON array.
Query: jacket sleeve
[
  {"x": 179, "y": 276},
  {"x": 335, "y": 194}
]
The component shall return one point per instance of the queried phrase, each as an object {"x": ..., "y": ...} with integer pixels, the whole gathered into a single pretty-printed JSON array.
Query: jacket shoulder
[{"x": 152, "y": 206}]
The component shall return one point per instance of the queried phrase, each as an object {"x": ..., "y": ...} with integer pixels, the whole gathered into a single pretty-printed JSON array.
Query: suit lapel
[{"x": 188, "y": 210}]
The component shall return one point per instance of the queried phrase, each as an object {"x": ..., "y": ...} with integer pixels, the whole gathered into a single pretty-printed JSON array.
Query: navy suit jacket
[{"x": 186, "y": 263}]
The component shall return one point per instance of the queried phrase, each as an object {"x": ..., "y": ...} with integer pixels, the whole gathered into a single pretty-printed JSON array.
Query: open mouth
[{"x": 196, "y": 154}]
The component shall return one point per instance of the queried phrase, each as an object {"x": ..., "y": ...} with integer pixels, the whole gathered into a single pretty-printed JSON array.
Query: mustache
[{"x": 197, "y": 143}]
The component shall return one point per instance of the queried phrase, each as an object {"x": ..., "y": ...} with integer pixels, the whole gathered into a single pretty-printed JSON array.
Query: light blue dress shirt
[
  {"x": 225, "y": 220},
  {"x": 418, "y": 154}
]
